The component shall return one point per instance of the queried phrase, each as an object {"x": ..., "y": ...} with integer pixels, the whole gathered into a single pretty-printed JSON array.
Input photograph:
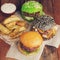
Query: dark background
[{"x": 51, "y": 7}]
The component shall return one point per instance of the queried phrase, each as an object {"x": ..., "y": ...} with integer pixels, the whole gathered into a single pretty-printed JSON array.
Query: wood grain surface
[
  {"x": 51, "y": 7},
  {"x": 49, "y": 53}
]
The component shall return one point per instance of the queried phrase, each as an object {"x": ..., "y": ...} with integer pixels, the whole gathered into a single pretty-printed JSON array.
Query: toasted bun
[
  {"x": 21, "y": 50},
  {"x": 31, "y": 39}
]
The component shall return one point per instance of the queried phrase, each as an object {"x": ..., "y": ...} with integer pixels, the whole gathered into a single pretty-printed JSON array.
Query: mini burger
[
  {"x": 45, "y": 25},
  {"x": 29, "y": 42},
  {"x": 30, "y": 9}
]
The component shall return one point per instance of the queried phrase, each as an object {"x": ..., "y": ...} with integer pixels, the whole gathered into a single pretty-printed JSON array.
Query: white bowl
[{"x": 8, "y": 8}]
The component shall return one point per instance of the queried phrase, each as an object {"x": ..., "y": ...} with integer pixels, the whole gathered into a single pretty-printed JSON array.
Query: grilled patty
[
  {"x": 28, "y": 49},
  {"x": 31, "y": 15}
]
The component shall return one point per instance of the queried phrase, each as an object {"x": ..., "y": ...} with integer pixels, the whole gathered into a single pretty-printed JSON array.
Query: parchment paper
[{"x": 14, "y": 53}]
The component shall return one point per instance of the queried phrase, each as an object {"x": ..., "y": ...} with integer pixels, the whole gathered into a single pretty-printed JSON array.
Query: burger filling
[
  {"x": 48, "y": 33},
  {"x": 30, "y": 16},
  {"x": 28, "y": 49},
  {"x": 45, "y": 25}
]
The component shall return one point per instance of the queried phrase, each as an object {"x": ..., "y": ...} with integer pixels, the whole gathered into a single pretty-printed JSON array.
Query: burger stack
[
  {"x": 43, "y": 27},
  {"x": 30, "y": 42}
]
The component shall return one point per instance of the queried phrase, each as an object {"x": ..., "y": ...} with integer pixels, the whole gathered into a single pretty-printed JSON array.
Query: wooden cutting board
[{"x": 49, "y": 53}]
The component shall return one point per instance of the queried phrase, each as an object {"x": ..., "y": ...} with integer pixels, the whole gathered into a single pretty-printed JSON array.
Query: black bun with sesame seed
[
  {"x": 44, "y": 22},
  {"x": 45, "y": 25}
]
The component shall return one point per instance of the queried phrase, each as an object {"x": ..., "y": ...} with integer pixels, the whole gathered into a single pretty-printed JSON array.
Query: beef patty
[{"x": 27, "y": 48}]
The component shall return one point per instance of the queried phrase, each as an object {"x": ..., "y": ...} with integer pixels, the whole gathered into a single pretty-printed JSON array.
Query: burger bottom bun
[{"x": 25, "y": 52}]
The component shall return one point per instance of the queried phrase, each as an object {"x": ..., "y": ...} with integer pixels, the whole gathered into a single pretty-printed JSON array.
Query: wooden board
[
  {"x": 49, "y": 53},
  {"x": 51, "y": 7}
]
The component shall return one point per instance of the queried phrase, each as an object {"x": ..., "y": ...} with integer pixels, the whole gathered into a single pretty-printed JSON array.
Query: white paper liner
[
  {"x": 14, "y": 53},
  {"x": 55, "y": 41},
  {"x": 8, "y": 39}
]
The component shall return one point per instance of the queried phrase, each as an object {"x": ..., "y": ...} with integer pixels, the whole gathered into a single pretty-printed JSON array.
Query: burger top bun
[
  {"x": 31, "y": 39},
  {"x": 32, "y": 7},
  {"x": 44, "y": 22}
]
